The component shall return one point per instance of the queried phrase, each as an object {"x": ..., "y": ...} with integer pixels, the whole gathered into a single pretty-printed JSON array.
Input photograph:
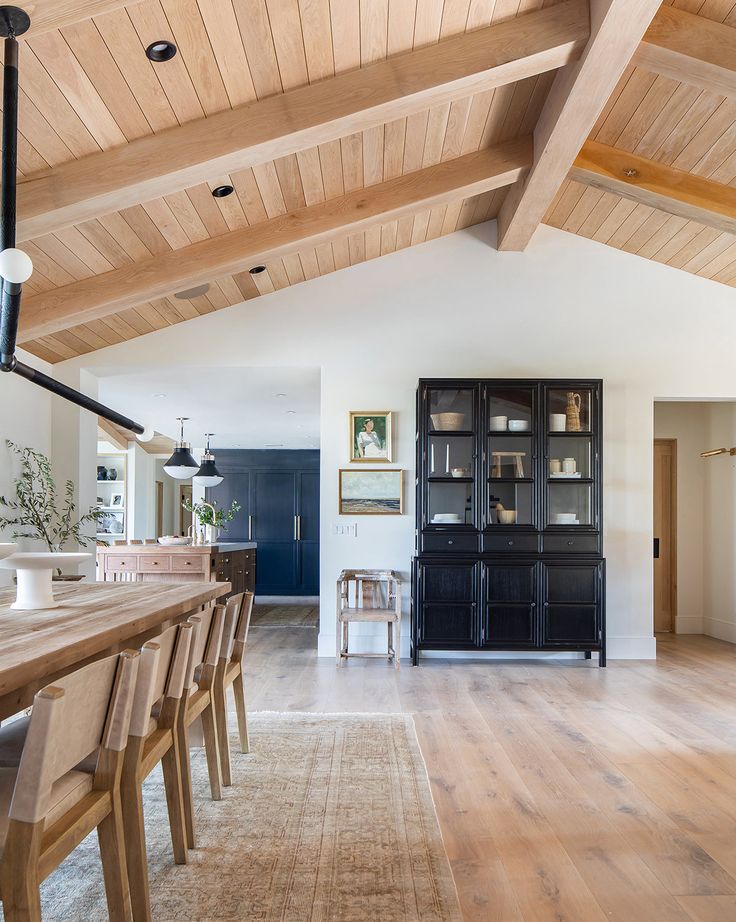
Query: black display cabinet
[{"x": 509, "y": 550}]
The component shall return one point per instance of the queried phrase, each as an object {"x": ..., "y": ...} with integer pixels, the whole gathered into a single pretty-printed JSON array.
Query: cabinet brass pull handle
[
  {"x": 187, "y": 563},
  {"x": 250, "y": 527},
  {"x": 295, "y": 518}
]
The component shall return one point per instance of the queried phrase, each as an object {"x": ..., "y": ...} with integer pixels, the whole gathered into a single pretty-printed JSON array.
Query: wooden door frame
[{"x": 673, "y": 536}]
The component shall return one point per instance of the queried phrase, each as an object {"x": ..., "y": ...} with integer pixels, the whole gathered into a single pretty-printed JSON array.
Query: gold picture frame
[
  {"x": 371, "y": 436},
  {"x": 371, "y": 491}
]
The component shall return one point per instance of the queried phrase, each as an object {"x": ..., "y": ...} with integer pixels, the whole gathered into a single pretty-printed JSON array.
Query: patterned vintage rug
[
  {"x": 285, "y": 616},
  {"x": 330, "y": 819}
]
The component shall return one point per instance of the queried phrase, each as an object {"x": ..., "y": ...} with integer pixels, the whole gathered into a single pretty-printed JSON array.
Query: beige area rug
[
  {"x": 330, "y": 819},
  {"x": 285, "y": 616}
]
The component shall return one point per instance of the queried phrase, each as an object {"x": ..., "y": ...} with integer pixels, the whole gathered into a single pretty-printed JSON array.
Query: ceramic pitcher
[{"x": 572, "y": 412}]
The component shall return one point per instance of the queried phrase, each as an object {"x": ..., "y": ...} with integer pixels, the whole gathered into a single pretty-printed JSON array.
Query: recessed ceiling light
[
  {"x": 279, "y": 395},
  {"x": 222, "y": 191},
  {"x": 256, "y": 270},
  {"x": 291, "y": 412},
  {"x": 159, "y": 395},
  {"x": 195, "y": 292},
  {"x": 162, "y": 50}
]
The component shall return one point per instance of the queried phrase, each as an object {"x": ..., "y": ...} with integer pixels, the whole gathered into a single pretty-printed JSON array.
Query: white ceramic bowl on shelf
[
  {"x": 518, "y": 425},
  {"x": 446, "y": 518},
  {"x": 506, "y": 516},
  {"x": 564, "y": 518},
  {"x": 174, "y": 541}
]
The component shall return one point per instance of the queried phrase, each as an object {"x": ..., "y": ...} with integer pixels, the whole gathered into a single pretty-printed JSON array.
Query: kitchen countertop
[{"x": 222, "y": 547}]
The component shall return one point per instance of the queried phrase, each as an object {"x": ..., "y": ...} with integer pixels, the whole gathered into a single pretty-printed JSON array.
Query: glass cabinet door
[
  {"x": 451, "y": 479},
  {"x": 451, "y": 409},
  {"x": 510, "y": 456},
  {"x": 570, "y": 461}
]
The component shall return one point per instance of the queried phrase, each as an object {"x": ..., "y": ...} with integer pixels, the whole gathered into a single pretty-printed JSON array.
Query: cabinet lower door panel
[
  {"x": 570, "y": 624},
  {"x": 277, "y": 572},
  {"x": 510, "y": 624},
  {"x": 449, "y": 625}
]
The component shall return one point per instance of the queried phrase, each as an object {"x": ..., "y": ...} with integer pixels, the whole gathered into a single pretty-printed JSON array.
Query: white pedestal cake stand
[{"x": 34, "y": 572}]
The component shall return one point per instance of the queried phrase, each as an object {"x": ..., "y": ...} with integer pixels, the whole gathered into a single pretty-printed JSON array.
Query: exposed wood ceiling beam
[
  {"x": 113, "y": 434},
  {"x": 692, "y": 49},
  {"x": 55, "y": 14},
  {"x": 102, "y": 295},
  {"x": 578, "y": 94},
  {"x": 657, "y": 185},
  {"x": 207, "y": 149}
]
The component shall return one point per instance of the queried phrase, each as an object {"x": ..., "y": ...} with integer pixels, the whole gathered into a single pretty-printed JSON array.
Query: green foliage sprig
[
  {"x": 35, "y": 512},
  {"x": 207, "y": 516}
]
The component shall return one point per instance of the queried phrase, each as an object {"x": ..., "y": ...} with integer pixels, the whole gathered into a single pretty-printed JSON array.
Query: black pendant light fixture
[
  {"x": 208, "y": 475},
  {"x": 181, "y": 465},
  {"x": 15, "y": 265}
]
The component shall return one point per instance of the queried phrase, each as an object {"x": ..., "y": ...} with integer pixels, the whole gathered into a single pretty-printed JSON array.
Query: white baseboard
[
  {"x": 689, "y": 624},
  {"x": 722, "y": 630},
  {"x": 286, "y": 600},
  {"x": 617, "y": 648}
]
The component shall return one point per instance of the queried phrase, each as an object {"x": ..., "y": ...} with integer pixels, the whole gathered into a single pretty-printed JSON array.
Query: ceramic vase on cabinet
[
  {"x": 211, "y": 534},
  {"x": 572, "y": 412}
]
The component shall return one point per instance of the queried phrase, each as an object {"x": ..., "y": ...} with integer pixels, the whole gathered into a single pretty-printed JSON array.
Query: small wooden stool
[
  {"x": 517, "y": 457},
  {"x": 369, "y": 595}
]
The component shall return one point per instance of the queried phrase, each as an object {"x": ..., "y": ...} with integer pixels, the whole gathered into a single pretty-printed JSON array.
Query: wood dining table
[{"x": 95, "y": 620}]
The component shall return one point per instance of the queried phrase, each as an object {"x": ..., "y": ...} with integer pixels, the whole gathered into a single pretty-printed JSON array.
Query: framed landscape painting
[
  {"x": 371, "y": 492},
  {"x": 370, "y": 436}
]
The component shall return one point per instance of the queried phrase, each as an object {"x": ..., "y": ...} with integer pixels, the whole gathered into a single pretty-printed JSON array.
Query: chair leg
[
  {"x": 170, "y": 764},
  {"x": 239, "y": 695},
  {"x": 185, "y": 773},
  {"x": 209, "y": 731},
  {"x": 135, "y": 844},
  {"x": 390, "y": 626},
  {"x": 112, "y": 852},
  {"x": 223, "y": 740},
  {"x": 397, "y": 645},
  {"x": 19, "y": 882}
]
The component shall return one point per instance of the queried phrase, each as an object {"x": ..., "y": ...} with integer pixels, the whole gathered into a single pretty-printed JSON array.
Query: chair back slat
[
  {"x": 70, "y": 719},
  {"x": 207, "y": 627},
  {"x": 144, "y": 689},
  {"x": 232, "y": 616},
  {"x": 241, "y": 630}
]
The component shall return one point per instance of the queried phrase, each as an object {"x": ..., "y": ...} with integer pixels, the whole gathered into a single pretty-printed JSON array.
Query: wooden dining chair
[
  {"x": 153, "y": 739},
  {"x": 48, "y": 806},
  {"x": 198, "y": 702},
  {"x": 230, "y": 673},
  {"x": 230, "y": 623}
]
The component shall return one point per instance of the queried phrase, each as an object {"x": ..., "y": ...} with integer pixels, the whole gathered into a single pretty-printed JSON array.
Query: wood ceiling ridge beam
[
  {"x": 578, "y": 95},
  {"x": 102, "y": 295},
  {"x": 691, "y": 49},
  {"x": 657, "y": 185},
  {"x": 273, "y": 127}
]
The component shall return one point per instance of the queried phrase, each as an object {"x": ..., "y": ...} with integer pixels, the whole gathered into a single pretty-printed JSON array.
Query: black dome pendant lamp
[
  {"x": 15, "y": 265},
  {"x": 208, "y": 475},
  {"x": 181, "y": 465}
]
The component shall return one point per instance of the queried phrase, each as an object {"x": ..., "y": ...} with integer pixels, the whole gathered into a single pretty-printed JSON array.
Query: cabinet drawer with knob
[
  {"x": 450, "y": 543},
  {"x": 570, "y": 544},
  {"x": 121, "y": 564},
  {"x": 189, "y": 563},
  {"x": 147, "y": 563},
  {"x": 520, "y": 544}
]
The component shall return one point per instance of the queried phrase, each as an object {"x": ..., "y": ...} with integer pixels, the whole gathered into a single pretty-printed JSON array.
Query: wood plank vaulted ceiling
[{"x": 478, "y": 110}]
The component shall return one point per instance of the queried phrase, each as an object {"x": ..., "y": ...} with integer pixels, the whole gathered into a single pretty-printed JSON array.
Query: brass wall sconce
[{"x": 718, "y": 451}]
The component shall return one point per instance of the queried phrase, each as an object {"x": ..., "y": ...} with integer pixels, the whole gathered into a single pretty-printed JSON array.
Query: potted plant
[
  {"x": 211, "y": 517},
  {"x": 37, "y": 513}
]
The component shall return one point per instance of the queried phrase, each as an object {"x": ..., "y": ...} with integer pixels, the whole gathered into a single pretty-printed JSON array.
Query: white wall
[
  {"x": 25, "y": 418},
  {"x": 456, "y": 306},
  {"x": 719, "y": 512},
  {"x": 170, "y": 511},
  {"x": 689, "y": 424}
]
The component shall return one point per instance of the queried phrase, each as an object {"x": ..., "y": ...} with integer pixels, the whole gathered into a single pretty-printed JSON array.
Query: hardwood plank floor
[{"x": 564, "y": 792}]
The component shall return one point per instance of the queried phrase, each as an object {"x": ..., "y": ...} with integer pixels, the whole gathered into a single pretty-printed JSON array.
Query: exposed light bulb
[{"x": 15, "y": 266}]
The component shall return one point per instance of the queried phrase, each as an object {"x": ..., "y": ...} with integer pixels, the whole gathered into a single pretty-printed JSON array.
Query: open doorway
[{"x": 665, "y": 535}]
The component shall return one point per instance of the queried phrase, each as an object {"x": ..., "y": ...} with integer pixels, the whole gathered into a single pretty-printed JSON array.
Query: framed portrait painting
[
  {"x": 370, "y": 436},
  {"x": 371, "y": 492}
]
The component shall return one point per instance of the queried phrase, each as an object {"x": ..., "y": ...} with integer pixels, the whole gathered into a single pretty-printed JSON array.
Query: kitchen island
[{"x": 229, "y": 562}]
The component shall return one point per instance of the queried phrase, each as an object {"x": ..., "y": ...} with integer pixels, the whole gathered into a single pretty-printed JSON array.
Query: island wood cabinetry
[
  {"x": 509, "y": 516},
  {"x": 233, "y": 563}
]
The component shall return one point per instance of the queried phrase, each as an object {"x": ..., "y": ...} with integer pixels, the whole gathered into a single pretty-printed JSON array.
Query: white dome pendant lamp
[
  {"x": 208, "y": 475},
  {"x": 181, "y": 465}
]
